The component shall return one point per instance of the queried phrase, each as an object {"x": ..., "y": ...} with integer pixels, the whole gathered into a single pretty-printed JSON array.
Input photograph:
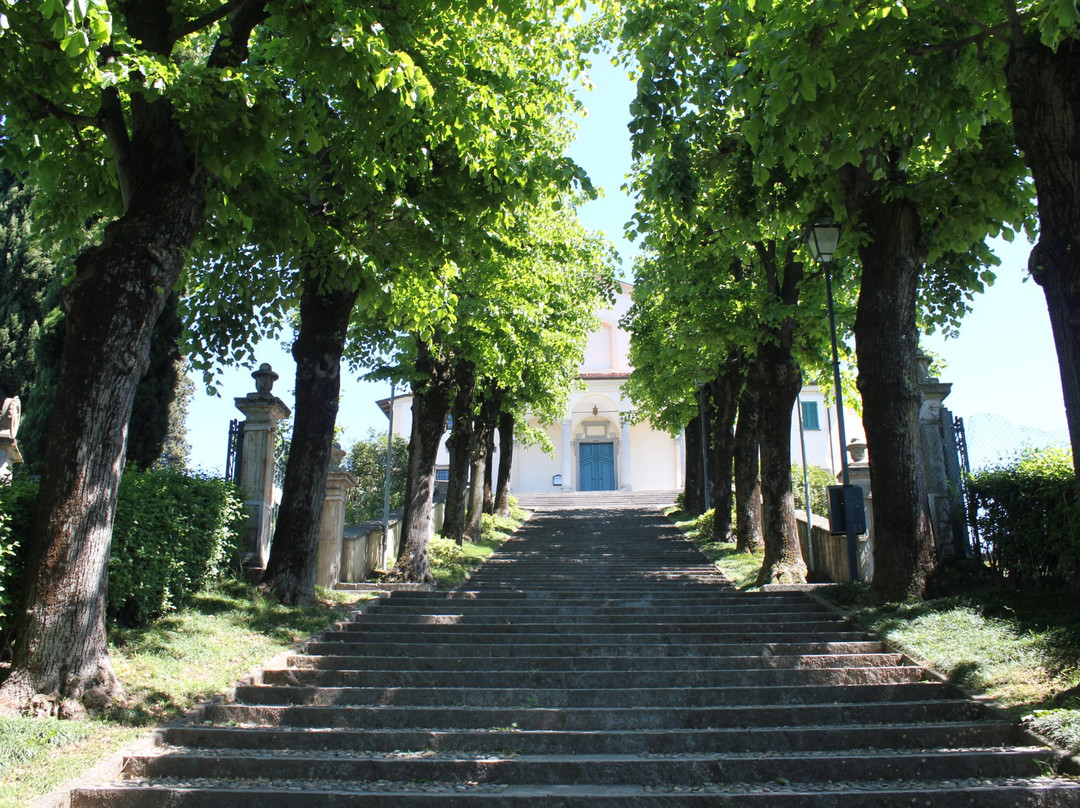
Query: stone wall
[
  {"x": 364, "y": 547},
  {"x": 826, "y": 555}
]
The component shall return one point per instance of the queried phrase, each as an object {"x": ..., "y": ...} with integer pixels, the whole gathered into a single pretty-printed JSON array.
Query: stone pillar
[
  {"x": 9, "y": 428},
  {"x": 332, "y": 524},
  {"x": 262, "y": 411},
  {"x": 680, "y": 460},
  {"x": 932, "y": 449},
  {"x": 624, "y": 458},
  {"x": 859, "y": 474},
  {"x": 567, "y": 456}
]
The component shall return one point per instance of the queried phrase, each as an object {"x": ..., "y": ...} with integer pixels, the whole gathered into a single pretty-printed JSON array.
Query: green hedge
[
  {"x": 173, "y": 535},
  {"x": 820, "y": 479},
  {"x": 1029, "y": 518}
]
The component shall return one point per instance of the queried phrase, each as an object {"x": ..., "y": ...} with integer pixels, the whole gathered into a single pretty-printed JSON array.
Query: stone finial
[
  {"x": 857, "y": 449},
  {"x": 923, "y": 360},
  {"x": 9, "y": 417},
  {"x": 337, "y": 454},
  {"x": 264, "y": 379}
]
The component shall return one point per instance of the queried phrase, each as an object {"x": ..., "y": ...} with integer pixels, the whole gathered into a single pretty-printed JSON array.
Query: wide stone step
[
  {"x": 555, "y": 645},
  {"x": 510, "y": 740},
  {"x": 679, "y": 770},
  {"x": 347, "y": 687},
  {"x": 629, "y": 633},
  {"x": 980, "y": 792},
  {"x": 580, "y": 619},
  {"x": 446, "y": 659},
  {"x": 526, "y": 717}
]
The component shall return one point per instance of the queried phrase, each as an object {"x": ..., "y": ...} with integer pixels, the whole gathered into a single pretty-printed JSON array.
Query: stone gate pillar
[
  {"x": 624, "y": 457},
  {"x": 262, "y": 411},
  {"x": 567, "y": 456},
  {"x": 932, "y": 450},
  {"x": 332, "y": 523}
]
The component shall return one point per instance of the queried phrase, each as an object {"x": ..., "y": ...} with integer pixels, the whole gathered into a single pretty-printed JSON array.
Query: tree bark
[
  {"x": 748, "y": 525},
  {"x": 119, "y": 292},
  {"x": 324, "y": 321},
  {"x": 432, "y": 397},
  {"x": 117, "y": 296},
  {"x": 458, "y": 446},
  {"x": 886, "y": 343},
  {"x": 506, "y": 461},
  {"x": 778, "y": 381},
  {"x": 721, "y": 405},
  {"x": 1044, "y": 88},
  {"x": 694, "y": 477},
  {"x": 480, "y": 459}
]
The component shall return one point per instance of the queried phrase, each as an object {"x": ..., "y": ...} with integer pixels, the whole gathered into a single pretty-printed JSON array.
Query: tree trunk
[
  {"x": 1044, "y": 88},
  {"x": 694, "y": 477},
  {"x": 748, "y": 516},
  {"x": 119, "y": 292},
  {"x": 721, "y": 405},
  {"x": 489, "y": 466},
  {"x": 458, "y": 445},
  {"x": 506, "y": 461},
  {"x": 779, "y": 381},
  {"x": 324, "y": 321},
  {"x": 432, "y": 397},
  {"x": 886, "y": 342},
  {"x": 480, "y": 459}
]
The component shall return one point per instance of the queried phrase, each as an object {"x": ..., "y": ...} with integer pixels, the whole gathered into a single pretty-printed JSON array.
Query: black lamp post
[{"x": 822, "y": 237}]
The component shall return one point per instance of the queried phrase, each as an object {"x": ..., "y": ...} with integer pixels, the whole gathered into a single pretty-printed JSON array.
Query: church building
[{"x": 597, "y": 449}]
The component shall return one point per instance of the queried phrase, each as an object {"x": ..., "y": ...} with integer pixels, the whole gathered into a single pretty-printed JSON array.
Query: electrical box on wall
[{"x": 845, "y": 500}]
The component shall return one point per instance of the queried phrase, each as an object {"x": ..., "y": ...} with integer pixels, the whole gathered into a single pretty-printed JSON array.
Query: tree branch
[
  {"x": 231, "y": 48},
  {"x": 111, "y": 121},
  {"x": 956, "y": 44},
  {"x": 46, "y": 108},
  {"x": 204, "y": 20},
  {"x": 1016, "y": 24},
  {"x": 964, "y": 14}
]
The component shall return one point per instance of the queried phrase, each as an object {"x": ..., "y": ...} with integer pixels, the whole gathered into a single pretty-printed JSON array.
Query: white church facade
[{"x": 597, "y": 449}]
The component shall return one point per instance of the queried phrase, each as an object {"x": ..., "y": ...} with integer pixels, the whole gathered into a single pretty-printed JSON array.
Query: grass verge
[
  {"x": 451, "y": 565},
  {"x": 1022, "y": 649},
  {"x": 166, "y": 669},
  {"x": 740, "y": 568}
]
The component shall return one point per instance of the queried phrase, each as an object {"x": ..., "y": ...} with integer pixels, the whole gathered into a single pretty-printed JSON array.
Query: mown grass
[
  {"x": 740, "y": 568},
  {"x": 1022, "y": 649},
  {"x": 451, "y": 565},
  {"x": 166, "y": 669}
]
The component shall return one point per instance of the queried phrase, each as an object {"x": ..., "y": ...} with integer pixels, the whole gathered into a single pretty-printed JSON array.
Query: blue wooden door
[{"x": 596, "y": 466}]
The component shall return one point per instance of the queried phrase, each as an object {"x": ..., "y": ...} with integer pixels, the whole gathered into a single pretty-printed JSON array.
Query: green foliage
[
  {"x": 1029, "y": 517},
  {"x": 172, "y": 536},
  {"x": 820, "y": 479},
  {"x": 444, "y": 552},
  {"x": 8, "y": 550},
  {"x": 17, "y": 502},
  {"x": 367, "y": 462}
]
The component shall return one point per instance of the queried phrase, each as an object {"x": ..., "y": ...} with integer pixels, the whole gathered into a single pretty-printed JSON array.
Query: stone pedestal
[
  {"x": 332, "y": 523},
  {"x": 624, "y": 458},
  {"x": 932, "y": 451},
  {"x": 9, "y": 427},
  {"x": 859, "y": 474},
  {"x": 262, "y": 412}
]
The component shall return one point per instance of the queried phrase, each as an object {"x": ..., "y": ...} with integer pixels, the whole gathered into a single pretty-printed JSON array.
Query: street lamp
[{"x": 822, "y": 237}]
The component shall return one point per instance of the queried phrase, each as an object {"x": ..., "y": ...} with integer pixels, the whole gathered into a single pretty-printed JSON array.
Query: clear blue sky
[{"x": 1002, "y": 363}]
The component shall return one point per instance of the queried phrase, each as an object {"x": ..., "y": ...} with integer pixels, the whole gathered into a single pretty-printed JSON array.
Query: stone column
[
  {"x": 859, "y": 474},
  {"x": 932, "y": 449},
  {"x": 332, "y": 524},
  {"x": 9, "y": 427},
  {"x": 567, "y": 456},
  {"x": 262, "y": 411},
  {"x": 680, "y": 461},
  {"x": 624, "y": 458}
]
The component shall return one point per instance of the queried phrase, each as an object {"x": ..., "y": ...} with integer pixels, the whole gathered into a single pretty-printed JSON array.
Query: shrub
[
  {"x": 444, "y": 552},
  {"x": 820, "y": 479},
  {"x": 1029, "y": 517},
  {"x": 173, "y": 535}
]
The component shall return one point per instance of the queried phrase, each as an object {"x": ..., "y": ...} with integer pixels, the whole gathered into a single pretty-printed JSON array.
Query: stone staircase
[{"x": 597, "y": 660}]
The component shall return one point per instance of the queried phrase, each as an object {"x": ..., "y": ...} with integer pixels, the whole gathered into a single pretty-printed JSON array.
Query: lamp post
[
  {"x": 822, "y": 237},
  {"x": 389, "y": 457}
]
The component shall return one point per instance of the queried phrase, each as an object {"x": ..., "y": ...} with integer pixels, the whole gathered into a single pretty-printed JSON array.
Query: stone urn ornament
[{"x": 857, "y": 449}]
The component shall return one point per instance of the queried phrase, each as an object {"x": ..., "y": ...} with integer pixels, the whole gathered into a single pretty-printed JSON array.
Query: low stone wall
[
  {"x": 827, "y": 556},
  {"x": 364, "y": 548}
]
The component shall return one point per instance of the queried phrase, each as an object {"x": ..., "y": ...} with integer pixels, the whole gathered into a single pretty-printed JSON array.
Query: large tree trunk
[
  {"x": 694, "y": 476},
  {"x": 432, "y": 397},
  {"x": 506, "y": 461},
  {"x": 721, "y": 406},
  {"x": 118, "y": 294},
  {"x": 1044, "y": 88},
  {"x": 458, "y": 445},
  {"x": 748, "y": 525},
  {"x": 778, "y": 380},
  {"x": 324, "y": 321},
  {"x": 485, "y": 419},
  {"x": 886, "y": 342}
]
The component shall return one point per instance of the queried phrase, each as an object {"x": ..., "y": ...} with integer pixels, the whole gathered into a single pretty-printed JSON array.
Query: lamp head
[{"x": 822, "y": 237}]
